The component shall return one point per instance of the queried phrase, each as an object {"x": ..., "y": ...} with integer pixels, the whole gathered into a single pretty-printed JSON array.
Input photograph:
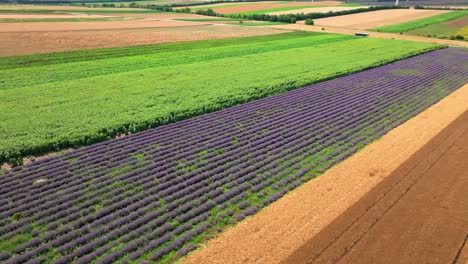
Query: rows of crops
[
  {"x": 80, "y": 98},
  {"x": 157, "y": 194}
]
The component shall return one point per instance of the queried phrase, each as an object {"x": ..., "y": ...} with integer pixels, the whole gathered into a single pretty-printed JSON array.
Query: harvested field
[
  {"x": 418, "y": 213},
  {"x": 44, "y": 16},
  {"x": 261, "y": 6},
  {"x": 100, "y": 25},
  {"x": 22, "y": 43},
  {"x": 302, "y": 214},
  {"x": 161, "y": 191},
  {"x": 376, "y": 18},
  {"x": 318, "y": 10}
]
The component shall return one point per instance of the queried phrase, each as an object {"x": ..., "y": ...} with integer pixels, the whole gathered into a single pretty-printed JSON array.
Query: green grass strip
[
  {"x": 95, "y": 54},
  {"x": 162, "y": 58},
  {"x": 279, "y": 9},
  {"x": 263, "y": 23},
  {"x": 419, "y": 23},
  {"x": 231, "y": 5},
  {"x": 209, "y": 19}
]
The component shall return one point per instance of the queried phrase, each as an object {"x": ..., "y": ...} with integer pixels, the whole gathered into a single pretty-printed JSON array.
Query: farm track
[
  {"x": 256, "y": 152},
  {"x": 418, "y": 213},
  {"x": 372, "y": 34}
]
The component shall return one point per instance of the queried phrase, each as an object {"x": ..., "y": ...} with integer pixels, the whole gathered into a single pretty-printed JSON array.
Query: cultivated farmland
[
  {"x": 55, "y": 111},
  {"x": 262, "y": 8},
  {"x": 160, "y": 132},
  {"x": 375, "y": 19},
  {"x": 317, "y": 10},
  {"x": 28, "y": 42},
  {"x": 156, "y": 194},
  {"x": 447, "y": 25}
]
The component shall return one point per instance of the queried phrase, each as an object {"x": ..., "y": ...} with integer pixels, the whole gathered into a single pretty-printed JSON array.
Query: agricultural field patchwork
[
  {"x": 157, "y": 195},
  {"x": 266, "y": 7},
  {"x": 54, "y": 109},
  {"x": 452, "y": 25},
  {"x": 378, "y": 19},
  {"x": 30, "y": 42}
]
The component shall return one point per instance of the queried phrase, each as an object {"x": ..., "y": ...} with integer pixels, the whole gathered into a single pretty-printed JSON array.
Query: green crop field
[
  {"x": 76, "y": 98},
  {"x": 210, "y": 19},
  {"x": 230, "y": 5},
  {"x": 421, "y": 23},
  {"x": 278, "y": 9}
]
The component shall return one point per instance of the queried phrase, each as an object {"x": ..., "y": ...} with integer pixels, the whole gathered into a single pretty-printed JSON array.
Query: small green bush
[{"x": 309, "y": 22}]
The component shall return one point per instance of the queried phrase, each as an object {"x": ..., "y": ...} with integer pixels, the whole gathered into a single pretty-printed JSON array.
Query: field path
[
  {"x": 419, "y": 213},
  {"x": 350, "y": 31}
]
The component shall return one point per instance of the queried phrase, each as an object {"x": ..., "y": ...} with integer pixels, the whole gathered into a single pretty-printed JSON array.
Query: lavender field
[{"x": 156, "y": 195}]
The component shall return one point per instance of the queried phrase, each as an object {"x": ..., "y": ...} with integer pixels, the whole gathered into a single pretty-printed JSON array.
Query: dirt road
[
  {"x": 419, "y": 214},
  {"x": 350, "y": 31}
]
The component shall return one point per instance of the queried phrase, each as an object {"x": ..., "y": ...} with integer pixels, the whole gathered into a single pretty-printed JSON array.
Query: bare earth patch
[
  {"x": 318, "y": 10},
  {"x": 378, "y": 18},
  {"x": 22, "y": 43},
  {"x": 272, "y": 235}
]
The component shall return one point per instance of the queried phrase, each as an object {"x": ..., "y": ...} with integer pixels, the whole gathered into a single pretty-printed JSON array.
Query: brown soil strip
[
  {"x": 378, "y": 18},
  {"x": 418, "y": 214},
  {"x": 349, "y": 31},
  {"x": 22, "y": 43},
  {"x": 317, "y": 10},
  {"x": 255, "y": 7},
  {"x": 275, "y": 233},
  {"x": 100, "y": 25}
]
